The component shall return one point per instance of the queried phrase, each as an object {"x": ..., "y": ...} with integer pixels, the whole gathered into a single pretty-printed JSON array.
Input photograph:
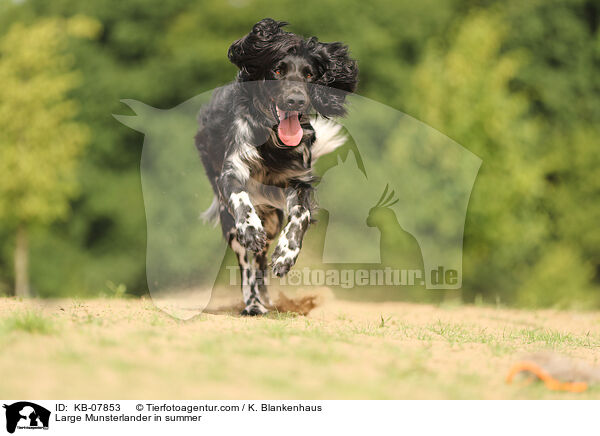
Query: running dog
[{"x": 258, "y": 139}]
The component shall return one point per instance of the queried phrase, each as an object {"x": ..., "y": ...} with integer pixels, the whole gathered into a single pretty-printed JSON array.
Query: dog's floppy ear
[
  {"x": 338, "y": 70},
  {"x": 338, "y": 75},
  {"x": 251, "y": 52}
]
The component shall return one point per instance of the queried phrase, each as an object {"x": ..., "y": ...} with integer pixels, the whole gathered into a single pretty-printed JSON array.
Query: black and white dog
[{"x": 258, "y": 139}]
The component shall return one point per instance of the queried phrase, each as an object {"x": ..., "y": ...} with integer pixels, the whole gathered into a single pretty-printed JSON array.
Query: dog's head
[{"x": 306, "y": 75}]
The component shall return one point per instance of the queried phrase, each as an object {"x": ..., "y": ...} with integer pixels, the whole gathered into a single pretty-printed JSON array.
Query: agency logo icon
[
  {"x": 24, "y": 415},
  {"x": 392, "y": 195}
]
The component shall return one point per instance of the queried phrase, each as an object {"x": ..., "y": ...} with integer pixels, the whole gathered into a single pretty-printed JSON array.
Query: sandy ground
[{"x": 127, "y": 349}]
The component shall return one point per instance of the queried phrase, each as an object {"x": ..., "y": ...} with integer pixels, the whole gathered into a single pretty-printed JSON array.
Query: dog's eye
[
  {"x": 278, "y": 72},
  {"x": 308, "y": 75}
]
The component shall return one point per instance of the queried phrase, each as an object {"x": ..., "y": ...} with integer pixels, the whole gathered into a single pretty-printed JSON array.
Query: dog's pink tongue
[{"x": 290, "y": 131}]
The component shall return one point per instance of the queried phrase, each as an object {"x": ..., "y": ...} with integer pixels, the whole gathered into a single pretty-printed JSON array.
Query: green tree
[
  {"x": 40, "y": 141},
  {"x": 562, "y": 80},
  {"x": 512, "y": 250},
  {"x": 463, "y": 91}
]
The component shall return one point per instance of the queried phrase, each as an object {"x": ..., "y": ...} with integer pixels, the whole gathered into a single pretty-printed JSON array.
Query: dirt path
[{"x": 129, "y": 349}]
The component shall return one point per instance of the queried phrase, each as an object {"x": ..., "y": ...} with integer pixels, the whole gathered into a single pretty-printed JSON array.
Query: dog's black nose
[{"x": 296, "y": 101}]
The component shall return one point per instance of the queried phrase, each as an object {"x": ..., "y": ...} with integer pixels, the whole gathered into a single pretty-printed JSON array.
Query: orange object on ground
[
  {"x": 559, "y": 373},
  {"x": 550, "y": 382}
]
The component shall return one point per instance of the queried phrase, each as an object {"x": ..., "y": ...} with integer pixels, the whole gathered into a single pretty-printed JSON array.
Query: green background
[{"x": 517, "y": 83}]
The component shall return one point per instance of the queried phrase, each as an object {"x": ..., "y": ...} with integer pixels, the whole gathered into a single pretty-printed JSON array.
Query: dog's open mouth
[{"x": 289, "y": 129}]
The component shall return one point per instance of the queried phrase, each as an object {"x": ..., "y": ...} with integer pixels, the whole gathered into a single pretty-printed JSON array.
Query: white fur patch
[
  {"x": 242, "y": 133},
  {"x": 253, "y": 220},
  {"x": 284, "y": 246},
  {"x": 296, "y": 217},
  {"x": 246, "y": 155},
  {"x": 328, "y": 137},
  {"x": 237, "y": 199},
  {"x": 239, "y": 167}
]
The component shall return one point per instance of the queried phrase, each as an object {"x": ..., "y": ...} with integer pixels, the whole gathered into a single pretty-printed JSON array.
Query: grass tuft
[{"x": 29, "y": 322}]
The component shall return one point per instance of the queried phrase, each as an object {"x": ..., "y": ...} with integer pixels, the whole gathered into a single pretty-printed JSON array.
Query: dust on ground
[{"x": 127, "y": 348}]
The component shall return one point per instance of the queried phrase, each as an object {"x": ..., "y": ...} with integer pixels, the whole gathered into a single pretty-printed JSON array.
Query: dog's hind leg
[
  {"x": 260, "y": 261},
  {"x": 272, "y": 220},
  {"x": 251, "y": 279},
  {"x": 247, "y": 261}
]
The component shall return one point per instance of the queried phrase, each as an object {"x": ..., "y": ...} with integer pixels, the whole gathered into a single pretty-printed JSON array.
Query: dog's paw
[
  {"x": 254, "y": 309},
  {"x": 282, "y": 267},
  {"x": 251, "y": 235},
  {"x": 284, "y": 257}
]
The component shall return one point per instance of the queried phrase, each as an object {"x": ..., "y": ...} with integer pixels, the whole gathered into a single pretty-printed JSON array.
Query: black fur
[{"x": 244, "y": 156}]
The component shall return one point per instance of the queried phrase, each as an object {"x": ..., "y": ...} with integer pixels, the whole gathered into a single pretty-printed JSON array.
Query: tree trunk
[{"x": 22, "y": 263}]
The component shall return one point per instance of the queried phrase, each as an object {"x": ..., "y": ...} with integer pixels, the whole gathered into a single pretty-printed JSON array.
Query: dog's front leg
[
  {"x": 290, "y": 240},
  {"x": 249, "y": 229}
]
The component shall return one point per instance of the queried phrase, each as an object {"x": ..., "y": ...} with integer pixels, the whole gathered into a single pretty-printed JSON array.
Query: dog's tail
[
  {"x": 211, "y": 215},
  {"x": 328, "y": 137}
]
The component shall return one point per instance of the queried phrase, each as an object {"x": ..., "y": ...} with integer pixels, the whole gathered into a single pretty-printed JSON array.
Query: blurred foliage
[
  {"x": 510, "y": 249},
  {"x": 39, "y": 142},
  {"x": 517, "y": 83}
]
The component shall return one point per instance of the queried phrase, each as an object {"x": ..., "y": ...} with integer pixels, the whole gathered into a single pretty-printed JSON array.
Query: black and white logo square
[{"x": 24, "y": 415}]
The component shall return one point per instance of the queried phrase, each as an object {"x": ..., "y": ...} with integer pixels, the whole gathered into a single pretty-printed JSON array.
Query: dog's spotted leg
[
  {"x": 249, "y": 228},
  {"x": 290, "y": 240},
  {"x": 272, "y": 219},
  {"x": 251, "y": 279},
  {"x": 232, "y": 188},
  {"x": 261, "y": 271}
]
